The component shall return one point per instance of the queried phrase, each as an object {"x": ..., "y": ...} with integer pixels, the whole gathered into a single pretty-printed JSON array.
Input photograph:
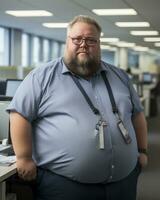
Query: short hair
[{"x": 86, "y": 19}]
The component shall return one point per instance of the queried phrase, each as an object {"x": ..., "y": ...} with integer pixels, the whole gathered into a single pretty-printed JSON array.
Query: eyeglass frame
[{"x": 86, "y": 39}]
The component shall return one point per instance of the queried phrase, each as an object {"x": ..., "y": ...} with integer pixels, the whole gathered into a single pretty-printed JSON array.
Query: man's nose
[{"x": 83, "y": 43}]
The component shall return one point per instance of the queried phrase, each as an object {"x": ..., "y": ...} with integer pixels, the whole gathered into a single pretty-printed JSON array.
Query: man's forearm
[
  {"x": 140, "y": 127},
  {"x": 21, "y": 136}
]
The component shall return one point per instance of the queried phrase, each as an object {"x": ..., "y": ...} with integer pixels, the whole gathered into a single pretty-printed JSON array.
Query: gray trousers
[{"x": 51, "y": 186}]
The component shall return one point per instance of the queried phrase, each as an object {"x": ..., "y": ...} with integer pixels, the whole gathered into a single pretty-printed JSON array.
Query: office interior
[{"x": 29, "y": 42}]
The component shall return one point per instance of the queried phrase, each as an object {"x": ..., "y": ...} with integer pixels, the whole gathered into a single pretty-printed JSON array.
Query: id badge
[{"x": 124, "y": 132}]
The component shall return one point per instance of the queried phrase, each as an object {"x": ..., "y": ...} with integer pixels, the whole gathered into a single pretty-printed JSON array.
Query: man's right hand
[{"x": 26, "y": 169}]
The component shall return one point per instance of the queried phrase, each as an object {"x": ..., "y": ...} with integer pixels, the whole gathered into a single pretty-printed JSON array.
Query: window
[
  {"x": 25, "y": 50},
  {"x": 62, "y": 49},
  {"x": 36, "y": 50},
  {"x": 46, "y": 50},
  {"x": 133, "y": 59},
  {"x": 54, "y": 50},
  {"x": 108, "y": 56},
  {"x": 4, "y": 47}
]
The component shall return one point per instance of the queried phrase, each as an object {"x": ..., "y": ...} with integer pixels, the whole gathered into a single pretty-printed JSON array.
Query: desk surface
[
  {"x": 7, "y": 171},
  {"x": 4, "y": 147}
]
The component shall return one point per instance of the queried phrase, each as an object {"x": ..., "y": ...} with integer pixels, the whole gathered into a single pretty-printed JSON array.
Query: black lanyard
[
  {"x": 120, "y": 124},
  {"x": 109, "y": 89},
  {"x": 111, "y": 97},
  {"x": 93, "y": 108}
]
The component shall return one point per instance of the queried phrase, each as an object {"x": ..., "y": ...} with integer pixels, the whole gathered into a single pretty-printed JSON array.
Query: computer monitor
[
  {"x": 147, "y": 78},
  {"x": 11, "y": 86},
  {"x": 4, "y": 120}
]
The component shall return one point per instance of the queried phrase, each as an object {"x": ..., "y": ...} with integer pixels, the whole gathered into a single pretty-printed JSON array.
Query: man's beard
[{"x": 85, "y": 68}]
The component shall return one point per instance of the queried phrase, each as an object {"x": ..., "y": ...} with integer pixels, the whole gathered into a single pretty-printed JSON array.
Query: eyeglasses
[{"x": 88, "y": 41}]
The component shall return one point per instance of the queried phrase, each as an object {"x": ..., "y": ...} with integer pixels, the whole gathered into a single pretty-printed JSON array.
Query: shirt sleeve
[
  {"x": 135, "y": 99},
  {"x": 27, "y": 98}
]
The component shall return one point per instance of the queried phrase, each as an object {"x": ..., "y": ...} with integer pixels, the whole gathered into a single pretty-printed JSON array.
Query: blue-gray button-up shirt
[{"x": 63, "y": 124}]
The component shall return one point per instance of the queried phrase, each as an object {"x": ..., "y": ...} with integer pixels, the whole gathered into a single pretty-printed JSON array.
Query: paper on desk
[{"x": 7, "y": 160}]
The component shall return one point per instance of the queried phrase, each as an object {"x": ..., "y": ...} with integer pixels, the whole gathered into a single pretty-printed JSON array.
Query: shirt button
[
  {"x": 113, "y": 166},
  {"x": 111, "y": 177}
]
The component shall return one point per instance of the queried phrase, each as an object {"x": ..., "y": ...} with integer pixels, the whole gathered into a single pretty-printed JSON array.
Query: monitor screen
[
  {"x": 11, "y": 86},
  {"x": 4, "y": 120},
  {"x": 147, "y": 78}
]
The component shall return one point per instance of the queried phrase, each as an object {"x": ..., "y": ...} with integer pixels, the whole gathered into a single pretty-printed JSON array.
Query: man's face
[{"x": 82, "y": 53}]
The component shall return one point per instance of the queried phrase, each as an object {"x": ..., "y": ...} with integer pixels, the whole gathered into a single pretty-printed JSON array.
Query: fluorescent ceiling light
[
  {"x": 109, "y": 48},
  {"x": 55, "y": 25},
  {"x": 102, "y": 34},
  {"x": 114, "y": 11},
  {"x": 105, "y": 46},
  {"x": 132, "y": 24},
  {"x": 29, "y": 13},
  {"x": 157, "y": 44},
  {"x": 125, "y": 44},
  {"x": 144, "y": 32},
  {"x": 109, "y": 39},
  {"x": 152, "y": 39},
  {"x": 140, "y": 48},
  {"x": 113, "y": 49}
]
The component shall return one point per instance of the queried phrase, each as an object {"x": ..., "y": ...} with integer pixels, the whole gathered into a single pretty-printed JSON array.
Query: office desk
[{"x": 5, "y": 172}]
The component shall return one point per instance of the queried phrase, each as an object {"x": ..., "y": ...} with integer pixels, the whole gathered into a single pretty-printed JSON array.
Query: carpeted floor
[{"x": 149, "y": 181}]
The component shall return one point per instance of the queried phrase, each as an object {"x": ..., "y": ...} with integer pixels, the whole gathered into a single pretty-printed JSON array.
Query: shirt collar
[
  {"x": 103, "y": 67},
  {"x": 64, "y": 67}
]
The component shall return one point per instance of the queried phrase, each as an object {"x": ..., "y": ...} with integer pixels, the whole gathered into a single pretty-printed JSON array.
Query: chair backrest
[{"x": 2, "y": 87}]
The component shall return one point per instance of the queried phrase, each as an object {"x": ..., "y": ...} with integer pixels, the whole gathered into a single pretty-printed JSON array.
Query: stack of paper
[{"x": 7, "y": 160}]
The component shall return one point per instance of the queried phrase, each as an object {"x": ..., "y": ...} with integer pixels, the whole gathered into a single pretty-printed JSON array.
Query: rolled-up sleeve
[
  {"x": 27, "y": 98},
  {"x": 137, "y": 105}
]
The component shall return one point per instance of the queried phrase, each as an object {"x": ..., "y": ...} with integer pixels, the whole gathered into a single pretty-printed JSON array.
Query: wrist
[
  {"x": 143, "y": 150},
  {"x": 24, "y": 157}
]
